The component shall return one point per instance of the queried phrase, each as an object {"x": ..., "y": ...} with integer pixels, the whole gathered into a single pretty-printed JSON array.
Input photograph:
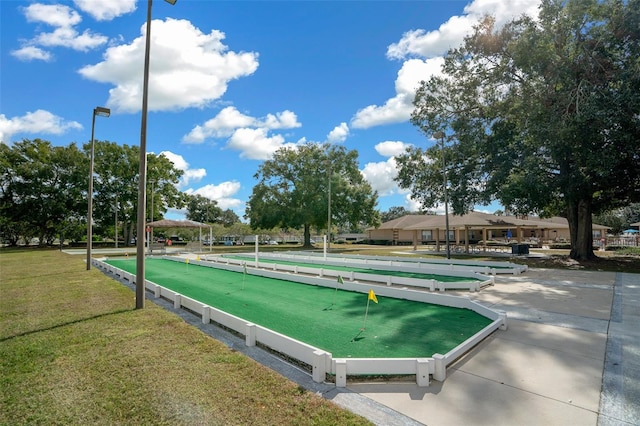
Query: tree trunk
[
  {"x": 307, "y": 235},
  {"x": 579, "y": 216},
  {"x": 127, "y": 230}
]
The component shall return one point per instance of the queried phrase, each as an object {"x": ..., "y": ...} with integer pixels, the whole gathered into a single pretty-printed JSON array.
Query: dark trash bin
[{"x": 520, "y": 249}]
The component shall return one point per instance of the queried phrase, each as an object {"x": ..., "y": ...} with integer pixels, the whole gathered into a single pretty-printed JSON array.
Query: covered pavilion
[
  {"x": 472, "y": 228},
  {"x": 169, "y": 223}
]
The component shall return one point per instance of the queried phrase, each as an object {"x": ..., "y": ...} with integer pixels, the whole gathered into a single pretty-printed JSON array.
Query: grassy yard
[{"x": 74, "y": 351}]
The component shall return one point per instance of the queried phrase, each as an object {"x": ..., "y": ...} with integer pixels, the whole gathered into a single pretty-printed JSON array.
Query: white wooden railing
[{"x": 322, "y": 362}]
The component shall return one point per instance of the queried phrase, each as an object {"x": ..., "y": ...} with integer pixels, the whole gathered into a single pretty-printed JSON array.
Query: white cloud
[
  {"x": 431, "y": 46},
  {"x": 188, "y": 68},
  {"x": 338, "y": 134},
  {"x": 222, "y": 193},
  {"x": 30, "y": 53},
  {"x": 56, "y": 15},
  {"x": 256, "y": 144},
  {"x": 249, "y": 135},
  {"x": 282, "y": 120},
  {"x": 392, "y": 148},
  {"x": 39, "y": 121},
  {"x": 380, "y": 176},
  {"x": 413, "y": 205},
  {"x": 63, "y": 19},
  {"x": 230, "y": 119},
  {"x": 69, "y": 37},
  {"x": 398, "y": 108},
  {"x": 106, "y": 10},
  {"x": 189, "y": 175}
]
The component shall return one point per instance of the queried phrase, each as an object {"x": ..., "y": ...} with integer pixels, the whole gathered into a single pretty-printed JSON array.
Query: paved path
[
  {"x": 569, "y": 357},
  {"x": 620, "y": 400}
]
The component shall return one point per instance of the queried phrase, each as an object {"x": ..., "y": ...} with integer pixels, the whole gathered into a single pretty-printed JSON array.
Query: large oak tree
[
  {"x": 541, "y": 114},
  {"x": 293, "y": 190}
]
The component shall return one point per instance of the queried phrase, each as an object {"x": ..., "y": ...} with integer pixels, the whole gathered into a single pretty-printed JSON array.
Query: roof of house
[
  {"x": 475, "y": 220},
  {"x": 168, "y": 223}
]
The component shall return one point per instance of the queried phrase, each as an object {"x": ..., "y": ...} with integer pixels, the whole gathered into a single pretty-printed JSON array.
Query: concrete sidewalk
[{"x": 569, "y": 357}]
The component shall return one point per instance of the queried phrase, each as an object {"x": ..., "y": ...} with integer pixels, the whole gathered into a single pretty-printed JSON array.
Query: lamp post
[
  {"x": 102, "y": 112},
  {"x": 142, "y": 174},
  {"x": 116, "y": 223},
  {"x": 441, "y": 135},
  {"x": 151, "y": 216},
  {"x": 329, "y": 208}
]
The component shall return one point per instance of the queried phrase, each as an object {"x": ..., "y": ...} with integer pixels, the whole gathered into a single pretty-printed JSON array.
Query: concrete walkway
[
  {"x": 569, "y": 357},
  {"x": 620, "y": 399}
]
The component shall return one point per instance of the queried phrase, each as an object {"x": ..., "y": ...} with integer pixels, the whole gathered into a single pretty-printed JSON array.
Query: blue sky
[{"x": 232, "y": 81}]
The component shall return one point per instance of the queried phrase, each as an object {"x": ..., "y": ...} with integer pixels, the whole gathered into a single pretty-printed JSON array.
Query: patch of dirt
[{"x": 629, "y": 264}]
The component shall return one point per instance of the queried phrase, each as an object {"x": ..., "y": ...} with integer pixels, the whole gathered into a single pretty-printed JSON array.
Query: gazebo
[{"x": 169, "y": 223}]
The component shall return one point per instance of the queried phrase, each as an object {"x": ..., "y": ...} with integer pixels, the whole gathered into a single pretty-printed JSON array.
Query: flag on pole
[
  {"x": 370, "y": 297},
  {"x": 186, "y": 261},
  {"x": 244, "y": 273},
  {"x": 198, "y": 258},
  {"x": 340, "y": 281}
]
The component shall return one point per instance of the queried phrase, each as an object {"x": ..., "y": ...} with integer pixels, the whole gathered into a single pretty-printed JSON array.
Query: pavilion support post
[
  {"x": 466, "y": 239},
  {"x": 484, "y": 240}
]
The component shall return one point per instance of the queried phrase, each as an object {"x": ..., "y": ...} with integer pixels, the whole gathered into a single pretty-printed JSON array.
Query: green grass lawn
[
  {"x": 73, "y": 351},
  {"x": 395, "y": 328}
]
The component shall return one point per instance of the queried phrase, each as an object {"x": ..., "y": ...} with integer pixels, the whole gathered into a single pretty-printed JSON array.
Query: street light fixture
[
  {"x": 102, "y": 112},
  {"x": 441, "y": 135},
  {"x": 142, "y": 174}
]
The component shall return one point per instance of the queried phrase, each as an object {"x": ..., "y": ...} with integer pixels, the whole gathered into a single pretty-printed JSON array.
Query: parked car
[{"x": 272, "y": 243}]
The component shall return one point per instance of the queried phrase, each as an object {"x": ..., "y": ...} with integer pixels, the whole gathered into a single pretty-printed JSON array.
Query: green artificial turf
[
  {"x": 364, "y": 270},
  {"x": 322, "y": 317}
]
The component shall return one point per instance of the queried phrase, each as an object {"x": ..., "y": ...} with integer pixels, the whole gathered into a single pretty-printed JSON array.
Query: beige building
[{"x": 474, "y": 228}]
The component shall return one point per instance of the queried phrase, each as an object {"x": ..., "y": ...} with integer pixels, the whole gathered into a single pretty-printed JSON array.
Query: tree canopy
[
  {"x": 540, "y": 114},
  {"x": 43, "y": 189},
  {"x": 205, "y": 210},
  {"x": 293, "y": 190}
]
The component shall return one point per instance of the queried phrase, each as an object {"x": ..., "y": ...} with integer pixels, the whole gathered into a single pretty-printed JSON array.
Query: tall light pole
[
  {"x": 116, "y": 221},
  {"x": 329, "y": 208},
  {"x": 102, "y": 112},
  {"x": 142, "y": 174},
  {"x": 151, "y": 217},
  {"x": 441, "y": 135}
]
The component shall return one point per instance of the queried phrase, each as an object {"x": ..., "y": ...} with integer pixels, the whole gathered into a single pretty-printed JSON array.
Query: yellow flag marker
[{"x": 372, "y": 296}]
